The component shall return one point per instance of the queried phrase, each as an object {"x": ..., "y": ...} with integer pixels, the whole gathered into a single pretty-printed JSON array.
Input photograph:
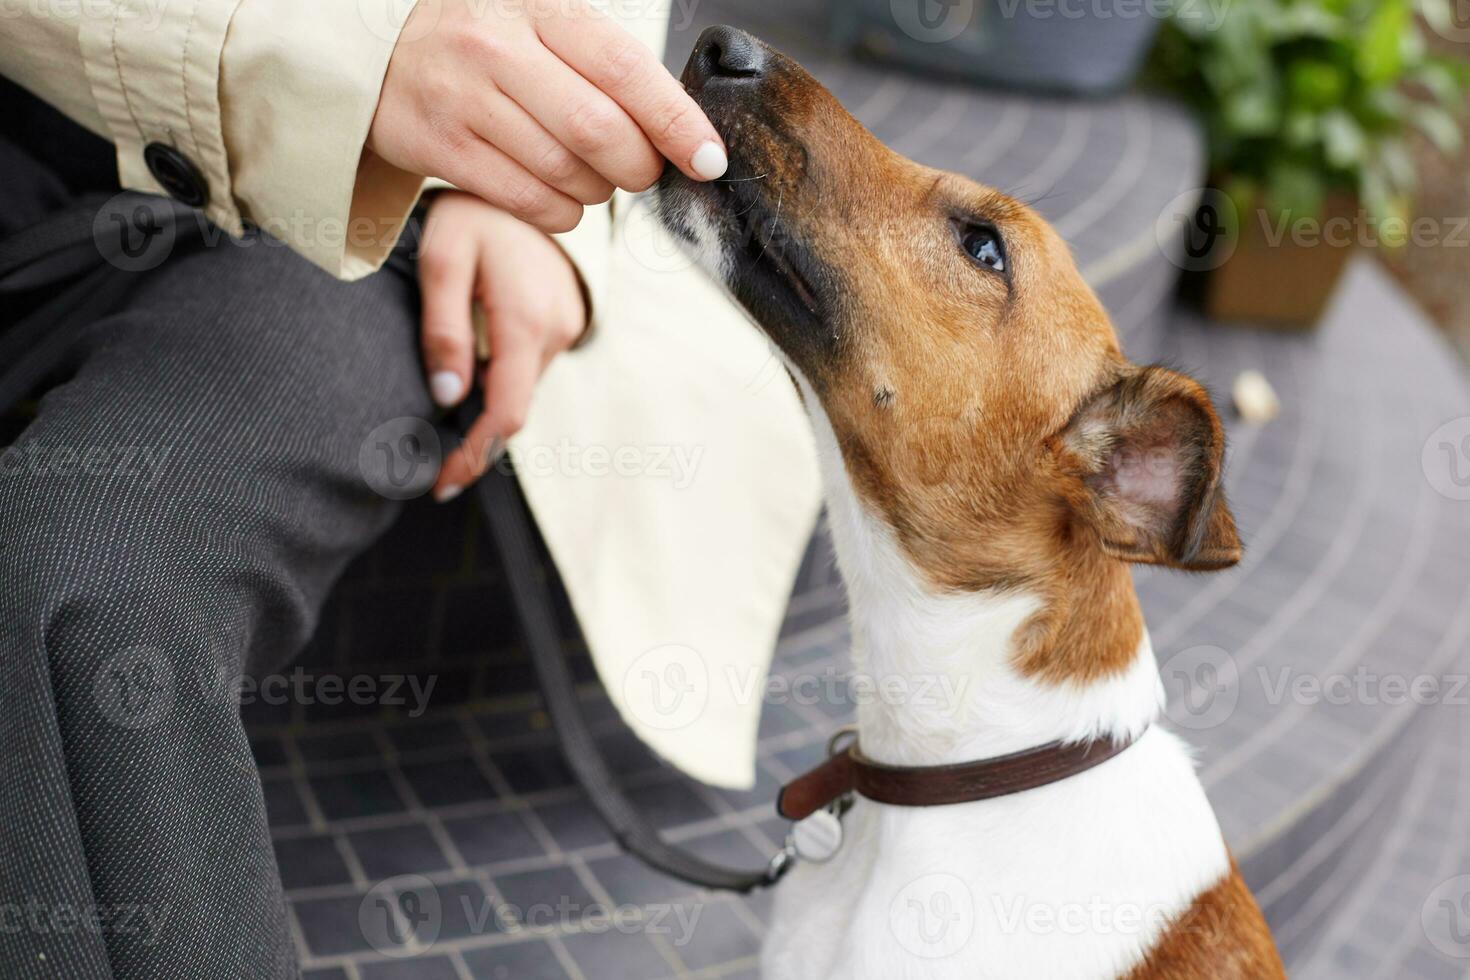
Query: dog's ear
[{"x": 1141, "y": 460}]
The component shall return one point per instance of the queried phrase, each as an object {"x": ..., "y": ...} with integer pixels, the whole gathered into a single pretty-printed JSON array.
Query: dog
[{"x": 992, "y": 464}]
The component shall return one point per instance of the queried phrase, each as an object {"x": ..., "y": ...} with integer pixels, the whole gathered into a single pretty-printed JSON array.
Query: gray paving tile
[
  {"x": 494, "y": 837},
  {"x": 399, "y": 850},
  {"x": 528, "y": 960},
  {"x": 308, "y": 862}
]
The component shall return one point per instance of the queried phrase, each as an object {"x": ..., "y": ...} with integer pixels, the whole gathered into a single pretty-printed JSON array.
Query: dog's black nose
[{"x": 727, "y": 53}]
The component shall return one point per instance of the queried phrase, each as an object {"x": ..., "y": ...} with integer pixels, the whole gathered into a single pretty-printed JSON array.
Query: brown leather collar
[{"x": 848, "y": 771}]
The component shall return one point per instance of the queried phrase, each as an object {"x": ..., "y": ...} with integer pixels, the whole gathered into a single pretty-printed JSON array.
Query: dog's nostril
[{"x": 728, "y": 52}]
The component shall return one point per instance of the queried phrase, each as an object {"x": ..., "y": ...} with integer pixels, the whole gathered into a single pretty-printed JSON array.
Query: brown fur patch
[{"x": 1221, "y": 937}]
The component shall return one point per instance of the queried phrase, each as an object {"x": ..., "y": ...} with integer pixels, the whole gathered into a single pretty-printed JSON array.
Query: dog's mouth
[
  {"x": 770, "y": 250},
  {"x": 747, "y": 228},
  {"x": 740, "y": 229}
]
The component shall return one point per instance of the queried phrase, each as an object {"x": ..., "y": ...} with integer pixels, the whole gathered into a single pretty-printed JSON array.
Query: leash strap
[
  {"x": 512, "y": 527},
  {"x": 849, "y": 771}
]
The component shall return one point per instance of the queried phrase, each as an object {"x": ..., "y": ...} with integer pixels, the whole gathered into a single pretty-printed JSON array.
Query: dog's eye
[{"x": 983, "y": 245}]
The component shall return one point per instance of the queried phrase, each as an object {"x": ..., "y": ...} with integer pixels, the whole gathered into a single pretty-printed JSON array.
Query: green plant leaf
[
  {"x": 1380, "y": 56},
  {"x": 1442, "y": 81},
  {"x": 1316, "y": 84},
  {"x": 1442, "y": 128},
  {"x": 1253, "y": 111},
  {"x": 1343, "y": 139},
  {"x": 1295, "y": 189}
]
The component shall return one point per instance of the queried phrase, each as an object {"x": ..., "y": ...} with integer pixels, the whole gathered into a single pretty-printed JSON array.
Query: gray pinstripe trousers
[{"x": 174, "y": 512}]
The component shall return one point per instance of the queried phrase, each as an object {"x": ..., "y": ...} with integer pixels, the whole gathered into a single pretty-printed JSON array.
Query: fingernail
[
  {"x": 709, "y": 160},
  {"x": 447, "y": 493},
  {"x": 446, "y": 387}
]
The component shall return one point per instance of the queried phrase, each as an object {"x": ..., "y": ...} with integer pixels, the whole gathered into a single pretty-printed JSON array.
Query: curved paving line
[
  {"x": 1135, "y": 314},
  {"x": 1388, "y": 603},
  {"x": 1324, "y": 572},
  {"x": 1370, "y": 748},
  {"x": 1007, "y": 129},
  {"x": 1448, "y": 868},
  {"x": 940, "y": 122},
  {"x": 883, "y": 100},
  {"x": 1120, "y": 261},
  {"x": 1288, "y": 503},
  {"x": 1330, "y": 844},
  {"x": 1076, "y": 125},
  {"x": 1383, "y": 864},
  {"x": 1137, "y": 129},
  {"x": 1342, "y": 877}
]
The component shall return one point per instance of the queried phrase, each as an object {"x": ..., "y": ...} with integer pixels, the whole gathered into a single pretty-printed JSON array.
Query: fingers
[
  {"x": 615, "y": 62},
  {"x": 446, "y": 284},
  {"x": 582, "y": 119},
  {"x": 491, "y": 175},
  {"x": 504, "y": 124},
  {"x": 516, "y": 361}
]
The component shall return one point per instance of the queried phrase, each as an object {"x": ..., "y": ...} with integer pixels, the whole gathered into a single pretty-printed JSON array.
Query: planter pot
[
  {"x": 1071, "y": 46},
  {"x": 1282, "y": 273}
]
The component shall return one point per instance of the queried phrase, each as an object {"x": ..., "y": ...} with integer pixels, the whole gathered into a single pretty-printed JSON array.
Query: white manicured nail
[
  {"x": 447, "y": 493},
  {"x": 446, "y": 387},
  {"x": 710, "y": 160}
]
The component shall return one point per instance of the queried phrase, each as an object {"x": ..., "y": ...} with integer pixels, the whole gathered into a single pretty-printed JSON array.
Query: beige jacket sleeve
[{"x": 271, "y": 100}]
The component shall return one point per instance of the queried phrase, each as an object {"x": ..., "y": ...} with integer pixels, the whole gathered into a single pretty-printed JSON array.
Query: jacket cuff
[
  {"x": 271, "y": 102},
  {"x": 299, "y": 85},
  {"x": 154, "y": 76}
]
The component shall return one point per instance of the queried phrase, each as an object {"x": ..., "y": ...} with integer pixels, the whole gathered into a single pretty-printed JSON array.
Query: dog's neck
[{"x": 946, "y": 681}]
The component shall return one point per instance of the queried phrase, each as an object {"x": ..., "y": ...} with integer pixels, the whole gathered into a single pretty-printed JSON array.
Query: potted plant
[{"x": 1307, "y": 107}]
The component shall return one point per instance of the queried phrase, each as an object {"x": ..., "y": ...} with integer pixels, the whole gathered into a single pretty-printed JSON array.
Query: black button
[{"x": 177, "y": 174}]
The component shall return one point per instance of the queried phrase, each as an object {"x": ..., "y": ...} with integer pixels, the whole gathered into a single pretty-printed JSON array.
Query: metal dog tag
[{"x": 817, "y": 837}]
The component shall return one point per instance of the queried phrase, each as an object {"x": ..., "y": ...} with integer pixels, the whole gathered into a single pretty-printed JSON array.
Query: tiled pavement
[{"x": 1346, "y": 816}]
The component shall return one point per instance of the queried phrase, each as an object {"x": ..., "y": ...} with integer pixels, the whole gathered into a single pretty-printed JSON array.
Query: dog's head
[{"x": 971, "y": 379}]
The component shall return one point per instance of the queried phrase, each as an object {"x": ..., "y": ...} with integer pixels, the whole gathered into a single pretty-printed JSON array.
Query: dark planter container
[
  {"x": 1089, "y": 47},
  {"x": 1277, "y": 278}
]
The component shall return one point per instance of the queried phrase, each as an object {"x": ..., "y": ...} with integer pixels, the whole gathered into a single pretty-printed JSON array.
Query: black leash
[{"x": 512, "y": 527}]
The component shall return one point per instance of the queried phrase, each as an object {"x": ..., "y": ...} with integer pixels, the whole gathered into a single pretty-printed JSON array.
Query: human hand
[
  {"x": 539, "y": 108},
  {"x": 534, "y": 310}
]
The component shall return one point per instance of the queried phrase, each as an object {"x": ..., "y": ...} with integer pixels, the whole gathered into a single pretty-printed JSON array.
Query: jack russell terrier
[{"x": 992, "y": 464}]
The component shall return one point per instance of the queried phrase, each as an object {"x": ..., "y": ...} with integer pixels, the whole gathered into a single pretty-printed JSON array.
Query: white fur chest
[{"x": 1073, "y": 880}]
